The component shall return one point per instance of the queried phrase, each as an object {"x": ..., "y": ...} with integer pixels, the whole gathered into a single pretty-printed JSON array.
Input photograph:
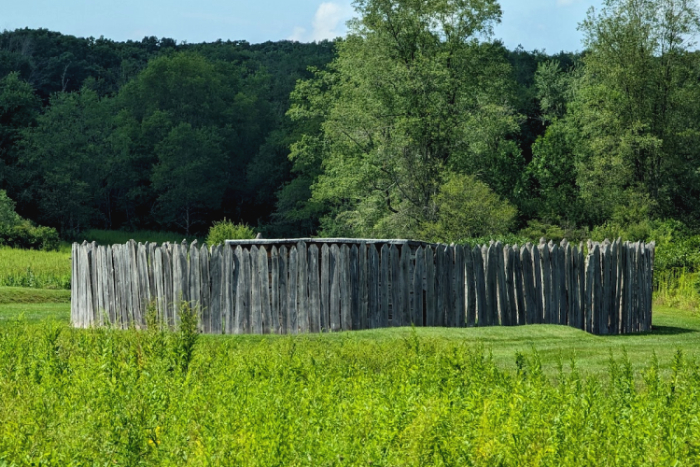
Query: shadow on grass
[{"x": 669, "y": 330}]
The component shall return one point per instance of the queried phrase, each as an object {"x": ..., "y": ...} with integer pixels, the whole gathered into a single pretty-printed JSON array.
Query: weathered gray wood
[
  {"x": 606, "y": 287},
  {"x": 303, "y": 285},
  {"x": 491, "y": 276},
  {"x": 459, "y": 303},
  {"x": 144, "y": 287},
  {"x": 177, "y": 282},
  {"x": 561, "y": 277},
  {"x": 396, "y": 297},
  {"x": 430, "y": 297},
  {"x": 405, "y": 283},
  {"x": 537, "y": 276},
  {"x": 364, "y": 288},
  {"x": 651, "y": 248},
  {"x": 417, "y": 282},
  {"x": 355, "y": 287},
  {"x": 373, "y": 286},
  {"x": 284, "y": 296},
  {"x": 99, "y": 289},
  {"x": 598, "y": 289},
  {"x": 546, "y": 271},
  {"x": 335, "y": 289},
  {"x": 256, "y": 318},
  {"x": 111, "y": 302},
  {"x": 151, "y": 257},
  {"x": 469, "y": 278},
  {"x": 93, "y": 281},
  {"x": 275, "y": 290},
  {"x": 74, "y": 310},
  {"x": 195, "y": 280},
  {"x": 637, "y": 287},
  {"x": 345, "y": 290},
  {"x": 440, "y": 285},
  {"x": 292, "y": 291},
  {"x": 518, "y": 285},
  {"x": 479, "y": 285},
  {"x": 205, "y": 288},
  {"x": 229, "y": 319},
  {"x": 138, "y": 308},
  {"x": 216, "y": 272},
  {"x": 567, "y": 298},
  {"x": 243, "y": 277},
  {"x": 264, "y": 282},
  {"x": 168, "y": 283},
  {"x": 590, "y": 285},
  {"x": 325, "y": 288},
  {"x": 511, "y": 315},
  {"x": 613, "y": 313},
  {"x": 384, "y": 287},
  {"x": 501, "y": 284},
  {"x": 555, "y": 289},
  {"x": 528, "y": 281},
  {"x": 314, "y": 290},
  {"x": 158, "y": 283}
]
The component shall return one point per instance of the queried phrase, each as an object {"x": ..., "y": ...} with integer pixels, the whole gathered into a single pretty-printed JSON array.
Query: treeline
[{"x": 417, "y": 124}]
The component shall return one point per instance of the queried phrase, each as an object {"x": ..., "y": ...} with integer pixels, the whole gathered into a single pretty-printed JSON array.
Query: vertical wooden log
[
  {"x": 546, "y": 268},
  {"x": 529, "y": 290},
  {"x": 479, "y": 285},
  {"x": 325, "y": 288},
  {"x": 458, "y": 304},
  {"x": 613, "y": 313},
  {"x": 303, "y": 284},
  {"x": 396, "y": 297},
  {"x": 314, "y": 290},
  {"x": 195, "y": 280},
  {"x": 137, "y": 306},
  {"x": 274, "y": 290},
  {"x": 384, "y": 288},
  {"x": 205, "y": 288},
  {"x": 405, "y": 283},
  {"x": 539, "y": 287},
  {"x": 511, "y": 315},
  {"x": 355, "y": 287},
  {"x": 417, "y": 307},
  {"x": 143, "y": 286},
  {"x": 651, "y": 250},
  {"x": 257, "y": 305},
  {"x": 501, "y": 284},
  {"x": 518, "y": 286},
  {"x": 93, "y": 280},
  {"x": 567, "y": 274},
  {"x": 345, "y": 289},
  {"x": 292, "y": 291},
  {"x": 79, "y": 283},
  {"x": 99, "y": 275},
  {"x": 335, "y": 289},
  {"x": 177, "y": 282},
  {"x": 229, "y": 319},
  {"x": 263, "y": 272},
  {"x": 111, "y": 297},
  {"x": 373, "y": 286},
  {"x": 590, "y": 284},
  {"x": 74, "y": 286},
  {"x": 598, "y": 324},
  {"x": 88, "y": 266},
  {"x": 215, "y": 270},
  {"x": 168, "y": 286},
  {"x": 364, "y": 290},
  {"x": 243, "y": 278},
  {"x": 470, "y": 288},
  {"x": 562, "y": 277},
  {"x": 151, "y": 253},
  {"x": 556, "y": 283},
  {"x": 491, "y": 276},
  {"x": 606, "y": 286},
  {"x": 284, "y": 287}
]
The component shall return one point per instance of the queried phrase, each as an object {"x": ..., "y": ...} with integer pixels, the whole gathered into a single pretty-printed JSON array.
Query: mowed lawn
[{"x": 674, "y": 330}]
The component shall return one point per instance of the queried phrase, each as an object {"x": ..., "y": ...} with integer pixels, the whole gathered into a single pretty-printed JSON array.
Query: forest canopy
[{"x": 418, "y": 124}]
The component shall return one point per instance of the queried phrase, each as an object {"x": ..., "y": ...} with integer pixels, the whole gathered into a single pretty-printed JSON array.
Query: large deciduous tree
[{"x": 415, "y": 92}]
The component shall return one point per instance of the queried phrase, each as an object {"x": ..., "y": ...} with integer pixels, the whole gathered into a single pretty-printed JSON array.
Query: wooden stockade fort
[{"x": 290, "y": 286}]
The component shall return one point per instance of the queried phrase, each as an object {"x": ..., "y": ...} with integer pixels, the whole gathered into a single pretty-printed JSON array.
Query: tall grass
[
  {"x": 112, "y": 397},
  {"x": 677, "y": 288},
  {"x": 32, "y": 268}
]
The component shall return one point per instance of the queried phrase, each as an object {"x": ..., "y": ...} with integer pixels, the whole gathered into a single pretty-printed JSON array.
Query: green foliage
[
  {"x": 536, "y": 230},
  {"x": 412, "y": 95},
  {"x": 16, "y": 232},
  {"x": 467, "y": 207},
  {"x": 113, "y": 396},
  {"x": 224, "y": 230}
]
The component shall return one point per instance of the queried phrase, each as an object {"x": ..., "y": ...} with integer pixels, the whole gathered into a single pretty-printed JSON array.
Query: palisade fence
[{"x": 315, "y": 285}]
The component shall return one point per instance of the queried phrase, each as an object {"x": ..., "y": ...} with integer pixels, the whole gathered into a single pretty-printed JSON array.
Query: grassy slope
[{"x": 674, "y": 330}]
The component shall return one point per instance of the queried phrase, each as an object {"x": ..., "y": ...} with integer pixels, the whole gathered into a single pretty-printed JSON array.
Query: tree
[
  {"x": 412, "y": 94},
  {"x": 636, "y": 107},
  {"x": 189, "y": 176},
  {"x": 468, "y": 208}
]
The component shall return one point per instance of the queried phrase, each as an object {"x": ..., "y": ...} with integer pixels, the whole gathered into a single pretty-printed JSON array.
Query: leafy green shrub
[
  {"x": 17, "y": 232},
  {"x": 227, "y": 230},
  {"x": 467, "y": 207}
]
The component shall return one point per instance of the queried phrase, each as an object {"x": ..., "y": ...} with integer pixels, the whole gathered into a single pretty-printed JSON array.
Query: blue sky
[{"x": 536, "y": 24}]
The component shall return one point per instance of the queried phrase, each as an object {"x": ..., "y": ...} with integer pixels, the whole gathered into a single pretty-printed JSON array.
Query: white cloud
[{"x": 328, "y": 23}]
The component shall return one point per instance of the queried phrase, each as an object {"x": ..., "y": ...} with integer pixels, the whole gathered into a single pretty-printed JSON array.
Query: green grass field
[{"x": 425, "y": 396}]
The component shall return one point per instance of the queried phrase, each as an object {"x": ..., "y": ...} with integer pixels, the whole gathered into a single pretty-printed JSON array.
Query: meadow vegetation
[{"x": 507, "y": 397}]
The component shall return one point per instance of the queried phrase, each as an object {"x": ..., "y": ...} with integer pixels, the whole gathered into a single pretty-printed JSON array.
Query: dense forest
[{"x": 417, "y": 124}]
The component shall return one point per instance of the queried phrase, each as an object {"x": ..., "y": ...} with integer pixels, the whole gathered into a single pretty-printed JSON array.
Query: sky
[{"x": 548, "y": 25}]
